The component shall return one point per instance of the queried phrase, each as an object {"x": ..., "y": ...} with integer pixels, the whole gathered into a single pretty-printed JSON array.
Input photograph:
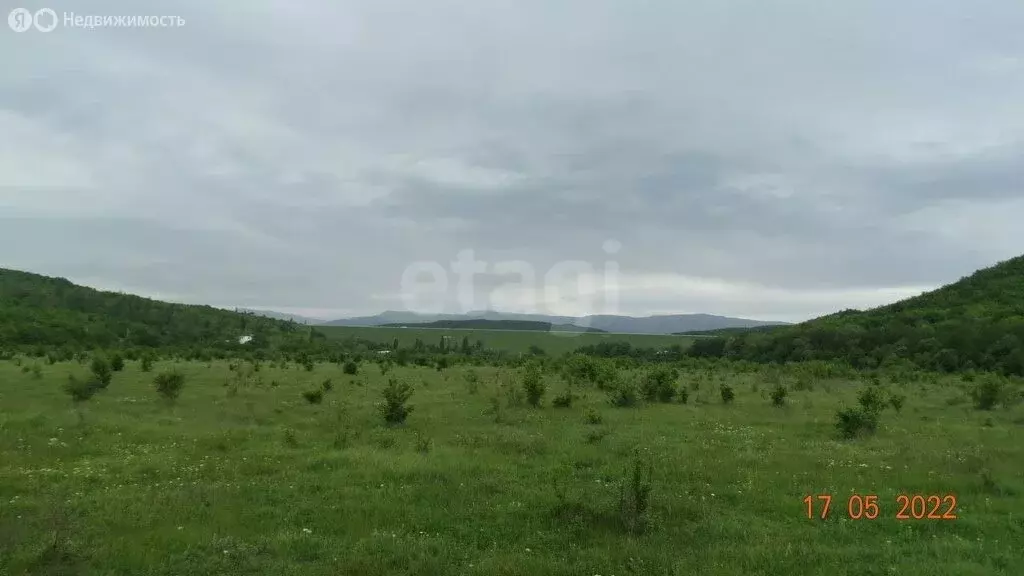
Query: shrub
[
  {"x": 423, "y": 444},
  {"x": 385, "y": 441},
  {"x": 682, "y": 394},
  {"x": 1012, "y": 398},
  {"x": 308, "y": 365},
  {"x": 313, "y": 396},
  {"x": 592, "y": 416},
  {"x": 350, "y": 368},
  {"x": 394, "y": 408},
  {"x": 81, "y": 390},
  {"x": 116, "y": 363},
  {"x": 327, "y": 385},
  {"x": 472, "y": 381},
  {"x": 896, "y": 401},
  {"x": 169, "y": 384},
  {"x": 579, "y": 369},
  {"x": 533, "y": 385},
  {"x": 635, "y": 494},
  {"x": 987, "y": 393},
  {"x": 659, "y": 385},
  {"x": 290, "y": 438},
  {"x": 563, "y": 400},
  {"x": 779, "y": 395},
  {"x": 727, "y": 394},
  {"x": 853, "y": 422},
  {"x": 623, "y": 394},
  {"x": 37, "y": 371},
  {"x": 870, "y": 399},
  {"x": 147, "y": 363},
  {"x": 495, "y": 409},
  {"x": 513, "y": 393},
  {"x": 804, "y": 383},
  {"x": 101, "y": 370},
  {"x": 596, "y": 435}
]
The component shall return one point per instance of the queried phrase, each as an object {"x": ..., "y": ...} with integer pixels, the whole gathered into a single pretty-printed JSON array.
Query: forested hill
[
  {"x": 977, "y": 322},
  {"x": 40, "y": 311}
]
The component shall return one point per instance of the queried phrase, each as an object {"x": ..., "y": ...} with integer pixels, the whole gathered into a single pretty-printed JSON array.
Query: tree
[
  {"x": 533, "y": 384},
  {"x": 169, "y": 384},
  {"x": 101, "y": 371},
  {"x": 81, "y": 390},
  {"x": 117, "y": 362},
  {"x": 394, "y": 408}
]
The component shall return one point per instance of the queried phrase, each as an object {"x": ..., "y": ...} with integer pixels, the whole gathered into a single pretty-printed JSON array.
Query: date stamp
[{"x": 907, "y": 507}]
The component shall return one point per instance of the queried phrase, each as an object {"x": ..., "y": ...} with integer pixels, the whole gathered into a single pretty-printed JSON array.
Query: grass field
[
  {"x": 553, "y": 343},
  {"x": 244, "y": 476}
]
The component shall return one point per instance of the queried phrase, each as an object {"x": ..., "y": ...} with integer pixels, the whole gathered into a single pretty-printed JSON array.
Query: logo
[
  {"x": 567, "y": 288},
  {"x": 21, "y": 19}
]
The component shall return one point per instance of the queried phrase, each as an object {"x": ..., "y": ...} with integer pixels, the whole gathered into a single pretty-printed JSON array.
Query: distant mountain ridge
[
  {"x": 283, "y": 316},
  {"x": 482, "y": 324},
  {"x": 664, "y": 324}
]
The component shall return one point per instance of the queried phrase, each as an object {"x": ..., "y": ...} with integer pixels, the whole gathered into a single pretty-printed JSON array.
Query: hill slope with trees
[
  {"x": 52, "y": 313},
  {"x": 975, "y": 323}
]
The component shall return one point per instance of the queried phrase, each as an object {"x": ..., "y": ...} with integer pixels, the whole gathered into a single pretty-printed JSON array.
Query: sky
[{"x": 766, "y": 159}]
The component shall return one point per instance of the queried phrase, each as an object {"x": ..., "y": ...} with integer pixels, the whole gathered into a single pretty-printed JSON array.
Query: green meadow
[
  {"x": 554, "y": 343},
  {"x": 243, "y": 474}
]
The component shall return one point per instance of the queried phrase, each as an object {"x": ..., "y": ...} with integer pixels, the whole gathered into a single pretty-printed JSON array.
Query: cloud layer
[{"x": 774, "y": 160}]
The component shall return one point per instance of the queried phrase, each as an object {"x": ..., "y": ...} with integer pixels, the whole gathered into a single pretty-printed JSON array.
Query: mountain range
[
  {"x": 664, "y": 324},
  {"x": 283, "y": 316}
]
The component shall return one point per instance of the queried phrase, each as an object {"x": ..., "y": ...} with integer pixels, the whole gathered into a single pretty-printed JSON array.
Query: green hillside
[
  {"x": 975, "y": 323},
  {"x": 45, "y": 315},
  {"x": 511, "y": 341},
  {"x": 52, "y": 313}
]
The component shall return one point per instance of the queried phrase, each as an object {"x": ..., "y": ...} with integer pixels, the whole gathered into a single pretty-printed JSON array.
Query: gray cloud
[{"x": 768, "y": 159}]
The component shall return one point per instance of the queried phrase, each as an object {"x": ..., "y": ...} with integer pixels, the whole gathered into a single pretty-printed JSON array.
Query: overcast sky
[{"x": 774, "y": 159}]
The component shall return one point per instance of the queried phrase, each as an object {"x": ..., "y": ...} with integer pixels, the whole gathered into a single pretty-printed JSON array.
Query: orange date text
[{"x": 868, "y": 507}]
